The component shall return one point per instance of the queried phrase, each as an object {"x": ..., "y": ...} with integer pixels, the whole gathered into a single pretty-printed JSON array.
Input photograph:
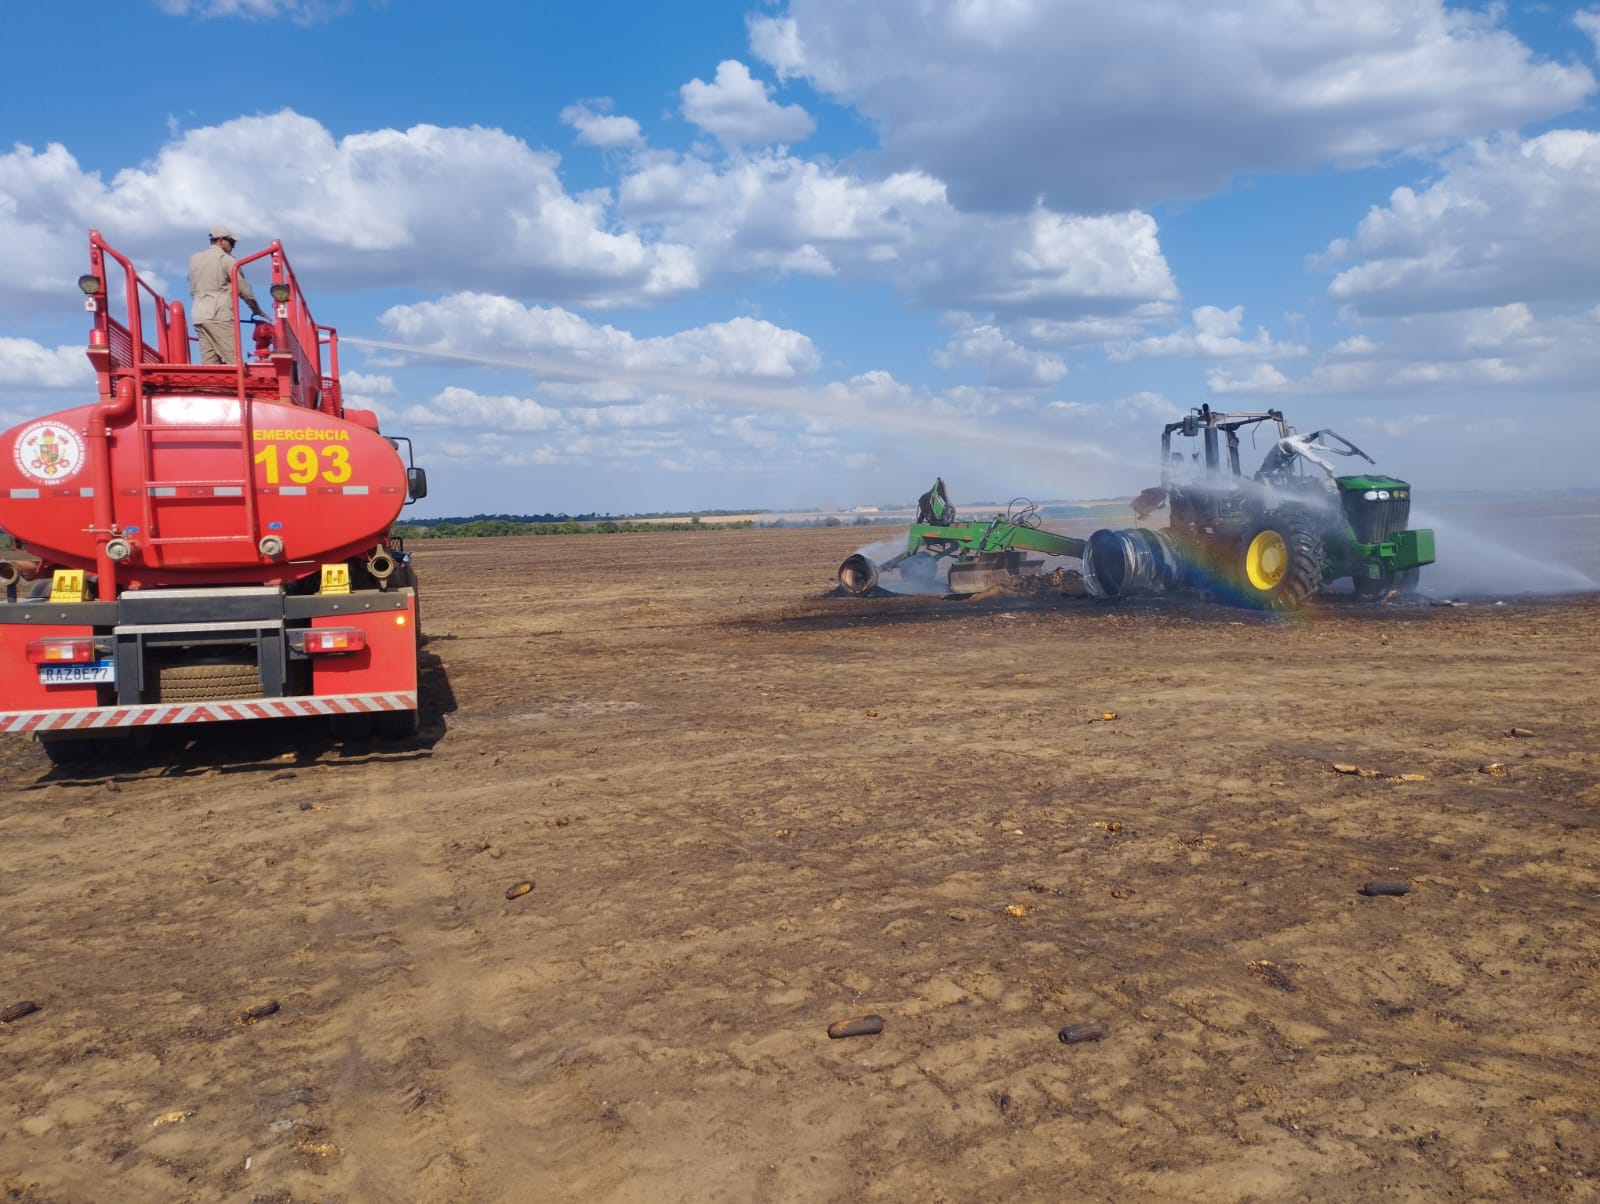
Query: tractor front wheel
[{"x": 1280, "y": 565}]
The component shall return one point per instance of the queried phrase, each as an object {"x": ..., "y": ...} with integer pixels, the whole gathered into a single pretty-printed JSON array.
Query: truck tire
[
  {"x": 1280, "y": 564},
  {"x": 69, "y": 752},
  {"x": 408, "y": 579},
  {"x": 205, "y": 681},
  {"x": 396, "y": 725}
]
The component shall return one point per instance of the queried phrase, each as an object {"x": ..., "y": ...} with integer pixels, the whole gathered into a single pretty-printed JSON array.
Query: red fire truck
[{"x": 204, "y": 542}]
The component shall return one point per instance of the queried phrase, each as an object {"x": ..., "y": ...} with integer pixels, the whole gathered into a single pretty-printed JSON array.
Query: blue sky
[{"x": 812, "y": 253}]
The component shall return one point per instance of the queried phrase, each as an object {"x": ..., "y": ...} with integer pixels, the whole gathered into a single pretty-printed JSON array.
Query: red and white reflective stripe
[{"x": 204, "y": 712}]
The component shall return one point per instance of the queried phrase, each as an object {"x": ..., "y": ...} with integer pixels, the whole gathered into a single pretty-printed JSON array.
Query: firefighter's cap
[{"x": 221, "y": 232}]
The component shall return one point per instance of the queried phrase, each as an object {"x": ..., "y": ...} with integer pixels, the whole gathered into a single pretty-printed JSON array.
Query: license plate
[{"x": 60, "y": 675}]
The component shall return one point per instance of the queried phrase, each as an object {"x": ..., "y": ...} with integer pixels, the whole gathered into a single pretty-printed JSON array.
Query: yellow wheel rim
[{"x": 1266, "y": 560}]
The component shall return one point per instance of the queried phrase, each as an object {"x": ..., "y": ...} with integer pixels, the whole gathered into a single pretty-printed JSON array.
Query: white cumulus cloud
[
  {"x": 777, "y": 212},
  {"x": 1002, "y": 361},
  {"x": 302, "y": 12},
  {"x": 426, "y": 207},
  {"x": 1588, "y": 20},
  {"x": 459, "y": 408},
  {"x": 1486, "y": 352},
  {"x": 598, "y": 126},
  {"x": 1259, "y": 379},
  {"x": 563, "y": 345},
  {"x": 1147, "y": 409},
  {"x": 738, "y": 110},
  {"x": 27, "y": 364},
  {"x": 1095, "y": 106},
  {"x": 1214, "y": 334},
  {"x": 457, "y": 208},
  {"x": 1506, "y": 220}
]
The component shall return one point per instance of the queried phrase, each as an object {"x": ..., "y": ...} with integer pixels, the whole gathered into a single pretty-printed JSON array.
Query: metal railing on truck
[{"x": 134, "y": 373}]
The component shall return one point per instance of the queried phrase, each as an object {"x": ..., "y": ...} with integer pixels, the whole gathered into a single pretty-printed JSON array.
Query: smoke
[
  {"x": 919, "y": 574},
  {"x": 1510, "y": 549},
  {"x": 857, "y": 404}
]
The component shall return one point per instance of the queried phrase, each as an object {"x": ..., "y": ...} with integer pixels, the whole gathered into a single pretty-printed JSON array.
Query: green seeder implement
[{"x": 980, "y": 554}]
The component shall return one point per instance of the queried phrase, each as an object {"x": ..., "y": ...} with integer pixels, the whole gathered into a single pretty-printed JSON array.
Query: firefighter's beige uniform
[{"x": 213, "y": 300}]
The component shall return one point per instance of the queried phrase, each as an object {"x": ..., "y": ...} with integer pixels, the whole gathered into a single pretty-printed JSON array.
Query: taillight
[
  {"x": 76, "y": 651},
  {"x": 324, "y": 640}
]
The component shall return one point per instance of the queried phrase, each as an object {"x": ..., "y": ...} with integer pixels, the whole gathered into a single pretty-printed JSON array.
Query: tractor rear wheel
[{"x": 1280, "y": 565}]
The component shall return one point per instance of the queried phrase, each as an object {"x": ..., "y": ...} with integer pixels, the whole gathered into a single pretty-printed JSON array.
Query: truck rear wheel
[
  {"x": 1280, "y": 565},
  {"x": 396, "y": 725},
  {"x": 69, "y": 753},
  {"x": 409, "y": 580},
  {"x": 79, "y": 752}
]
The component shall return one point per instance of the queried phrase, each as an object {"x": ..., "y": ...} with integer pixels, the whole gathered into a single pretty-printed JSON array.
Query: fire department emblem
[{"x": 49, "y": 451}]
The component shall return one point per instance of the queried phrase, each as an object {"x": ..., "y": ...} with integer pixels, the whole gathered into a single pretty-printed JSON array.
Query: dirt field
[{"x": 749, "y": 809}]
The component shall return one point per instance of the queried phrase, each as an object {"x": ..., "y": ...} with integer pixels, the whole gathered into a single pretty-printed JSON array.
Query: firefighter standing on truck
[{"x": 214, "y": 310}]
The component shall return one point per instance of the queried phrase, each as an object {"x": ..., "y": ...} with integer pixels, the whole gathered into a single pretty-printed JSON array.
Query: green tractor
[{"x": 1268, "y": 541}]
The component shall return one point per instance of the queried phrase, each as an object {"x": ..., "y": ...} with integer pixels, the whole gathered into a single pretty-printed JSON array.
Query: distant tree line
[
  {"x": 564, "y": 517},
  {"x": 981, "y": 512},
  {"x": 833, "y": 520},
  {"x": 481, "y": 528}
]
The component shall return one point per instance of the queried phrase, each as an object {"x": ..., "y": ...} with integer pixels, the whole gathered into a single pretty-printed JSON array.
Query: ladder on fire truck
[{"x": 185, "y": 408}]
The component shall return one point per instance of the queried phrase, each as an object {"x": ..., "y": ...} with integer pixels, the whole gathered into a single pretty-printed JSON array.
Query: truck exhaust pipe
[{"x": 1119, "y": 563}]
